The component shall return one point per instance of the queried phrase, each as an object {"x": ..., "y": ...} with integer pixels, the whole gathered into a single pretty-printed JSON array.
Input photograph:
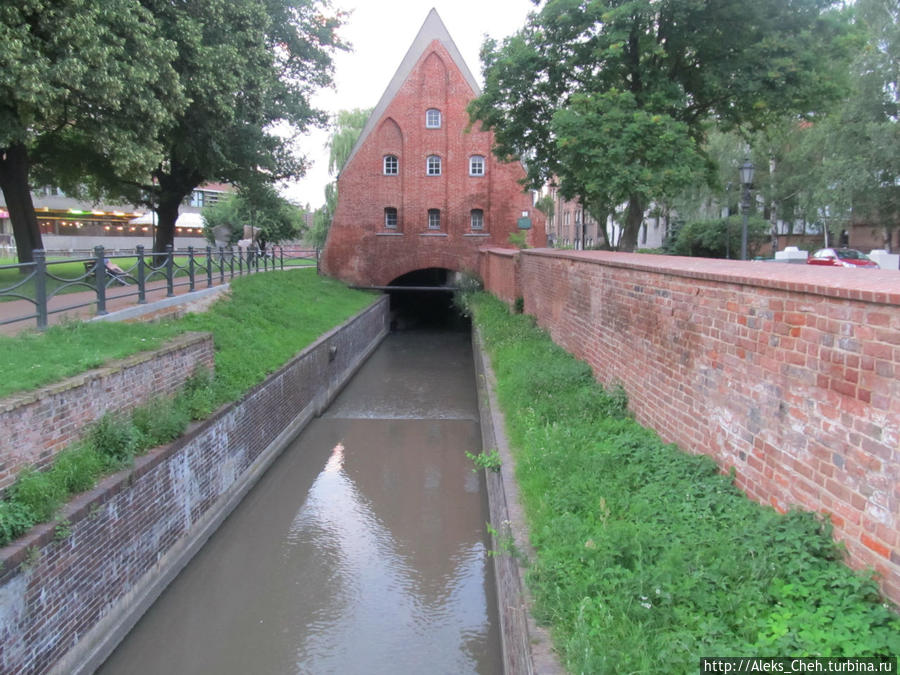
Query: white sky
[{"x": 380, "y": 32}]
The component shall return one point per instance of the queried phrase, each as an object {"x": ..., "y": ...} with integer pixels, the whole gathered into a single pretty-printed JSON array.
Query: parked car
[{"x": 841, "y": 257}]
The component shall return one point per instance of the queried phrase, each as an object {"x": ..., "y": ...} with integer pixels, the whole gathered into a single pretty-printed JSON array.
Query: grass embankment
[
  {"x": 648, "y": 558},
  {"x": 268, "y": 319}
]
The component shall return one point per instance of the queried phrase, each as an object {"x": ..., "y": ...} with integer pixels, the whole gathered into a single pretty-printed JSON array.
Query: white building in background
[
  {"x": 69, "y": 225},
  {"x": 573, "y": 227}
]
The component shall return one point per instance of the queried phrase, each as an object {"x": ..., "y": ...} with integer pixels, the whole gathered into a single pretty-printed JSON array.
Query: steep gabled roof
[{"x": 432, "y": 29}]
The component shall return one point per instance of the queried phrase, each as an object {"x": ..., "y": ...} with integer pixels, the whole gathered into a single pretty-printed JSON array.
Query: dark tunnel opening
[{"x": 415, "y": 306}]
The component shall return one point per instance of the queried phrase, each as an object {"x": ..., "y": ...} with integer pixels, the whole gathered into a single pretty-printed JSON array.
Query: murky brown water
[{"x": 362, "y": 550}]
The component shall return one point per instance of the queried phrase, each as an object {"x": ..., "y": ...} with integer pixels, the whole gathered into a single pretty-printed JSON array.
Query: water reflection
[{"x": 363, "y": 549}]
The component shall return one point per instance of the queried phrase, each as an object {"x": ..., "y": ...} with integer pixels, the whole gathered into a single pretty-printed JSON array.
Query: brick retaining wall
[
  {"x": 788, "y": 374},
  {"x": 499, "y": 268},
  {"x": 65, "y": 602},
  {"x": 38, "y": 424}
]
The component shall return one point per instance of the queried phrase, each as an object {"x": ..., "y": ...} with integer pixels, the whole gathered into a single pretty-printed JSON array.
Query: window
[
  {"x": 433, "y": 167},
  {"x": 434, "y": 219},
  {"x": 390, "y": 218},
  {"x": 476, "y": 165},
  {"x": 477, "y": 219},
  {"x": 196, "y": 199},
  {"x": 391, "y": 165},
  {"x": 432, "y": 118}
]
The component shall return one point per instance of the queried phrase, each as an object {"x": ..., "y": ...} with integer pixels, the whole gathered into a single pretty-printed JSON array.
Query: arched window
[
  {"x": 476, "y": 165},
  {"x": 432, "y": 118},
  {"x": 476, "y": 218},
  {"x": 433, "y": 166},
  {"x": 390, "y": 218},
  {"x": 434, "y": 219},
  {"x": 391, "y": 165}
]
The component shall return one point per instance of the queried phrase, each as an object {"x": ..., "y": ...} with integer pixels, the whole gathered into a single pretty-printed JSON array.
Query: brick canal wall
[
  {"x": 68, "y": 596},
  {"x": 788, "y": 374},
  {"x": 38, "y": 424}
]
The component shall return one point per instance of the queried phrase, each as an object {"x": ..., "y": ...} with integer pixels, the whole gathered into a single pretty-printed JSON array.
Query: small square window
[
  {"x": 477, "y": 219},
  {"x": 433, "y": 166},
  {"x": 476, "y": 165},
  {"x": 433, "y": 118},
  {"x": 391, "y": 165},
  {"x": 434, "y": 219},
  {"x": 390, "y": 218}
]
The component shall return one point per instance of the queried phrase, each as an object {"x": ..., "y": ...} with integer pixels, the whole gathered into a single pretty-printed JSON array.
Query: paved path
[{"x": 117, "y": 298}]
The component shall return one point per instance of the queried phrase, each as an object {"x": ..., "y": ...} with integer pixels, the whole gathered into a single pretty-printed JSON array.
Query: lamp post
[{"x": 746, "y": 180}]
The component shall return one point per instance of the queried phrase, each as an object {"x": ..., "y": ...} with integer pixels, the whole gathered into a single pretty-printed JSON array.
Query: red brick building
[{"x": 421, "y": 189}]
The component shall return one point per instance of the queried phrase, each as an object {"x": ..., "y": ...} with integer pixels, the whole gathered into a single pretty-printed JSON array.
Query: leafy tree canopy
[
  {"x": 348, "y": 125},
  {"x": 664, "y": 69},
  {"x": 261, "y": 207},
  {"x": 249, "y": 69},
  {"x": 94, "y": 70}
]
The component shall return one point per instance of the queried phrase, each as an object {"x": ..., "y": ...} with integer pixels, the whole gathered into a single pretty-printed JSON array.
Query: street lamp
[{"x": 746, "y": 171}]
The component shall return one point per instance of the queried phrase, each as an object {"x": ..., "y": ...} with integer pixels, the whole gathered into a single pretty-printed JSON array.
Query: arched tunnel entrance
[{"x": 423, "y": 299}]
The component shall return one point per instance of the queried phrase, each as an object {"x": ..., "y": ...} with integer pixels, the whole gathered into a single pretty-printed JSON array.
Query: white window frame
[
  {"x": 391, "y": 165},
  {"x": 476, "y": 219},
  {"x": 434, "y": 219},
  {"x": 390, "y": 211},
  {"x": 433, "y": 165},
  {"x": 476, "y": 165},
  {"x": 433, "y": 118}
]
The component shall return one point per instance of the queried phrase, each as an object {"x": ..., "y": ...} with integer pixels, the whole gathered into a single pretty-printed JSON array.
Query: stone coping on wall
[
  {"x": 506, "y": 252},
  {"x": 875, "y": 286},
  {"x": 176, "y": 343}
]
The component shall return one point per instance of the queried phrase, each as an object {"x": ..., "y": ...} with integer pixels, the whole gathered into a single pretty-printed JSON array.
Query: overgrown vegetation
[
  {"x": 267, "y": 320},
  {"x": 648, "y": 558}
]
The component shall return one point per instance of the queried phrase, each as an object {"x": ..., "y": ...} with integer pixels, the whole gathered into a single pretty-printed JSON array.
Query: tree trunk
[
  {"x": 634, "y": 216},
  {"x": 166, "y": 215},
  {"x": 14, "y": 183},
  {"x": 174, "y": 186}
]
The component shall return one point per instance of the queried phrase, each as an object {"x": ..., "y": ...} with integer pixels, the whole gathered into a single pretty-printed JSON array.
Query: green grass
[
  {"x": 267, "y": 320},
  {"x": 648, "y": 558}
]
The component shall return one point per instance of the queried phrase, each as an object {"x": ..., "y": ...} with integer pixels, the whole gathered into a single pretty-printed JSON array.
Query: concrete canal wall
[
  {"x": 788, "y": 374},
  {"x": 68, "y": 595}
]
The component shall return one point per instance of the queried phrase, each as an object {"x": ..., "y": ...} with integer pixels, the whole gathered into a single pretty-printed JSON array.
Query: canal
[{"x": 363, "y": 549}]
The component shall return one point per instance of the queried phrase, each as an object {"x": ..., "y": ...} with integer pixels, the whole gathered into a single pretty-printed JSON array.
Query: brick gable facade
[{"x": 420, "y": 192}]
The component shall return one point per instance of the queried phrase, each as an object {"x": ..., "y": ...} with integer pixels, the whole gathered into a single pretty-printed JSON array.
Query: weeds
[
  {"x": 267, "y": 320},
  {"x": 485, "y": 461},
  {"x": 648, "y": 558}
]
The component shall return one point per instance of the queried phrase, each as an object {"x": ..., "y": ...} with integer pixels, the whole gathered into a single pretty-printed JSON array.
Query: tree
[
  {"x": 348, "y": 125},
  {"x": 95, "y": 71},
  {"x": 707, "y": 238},
  {"x": 262, "y": 207},
  {"x": 249, "y": 69},
  {"x": 861, "y": 143},
  {"x": 663, "y": 70}
]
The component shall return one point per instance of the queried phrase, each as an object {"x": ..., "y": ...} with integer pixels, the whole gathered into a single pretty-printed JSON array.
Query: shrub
[
  {"x": 197, "y": 399},
  {"x": 38, "y": 493},
  {"x": 159, "y": 421},
  {"x": 15, "y": 520},
  {"x": 77, "y": 469},
  {"x": 115, "y": 440}
]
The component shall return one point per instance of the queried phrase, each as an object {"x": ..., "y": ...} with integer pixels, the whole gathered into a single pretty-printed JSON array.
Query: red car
[{"x": 841, "y": 257}]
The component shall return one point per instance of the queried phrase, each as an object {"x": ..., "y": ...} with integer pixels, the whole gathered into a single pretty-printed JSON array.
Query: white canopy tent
[{"x": 184, "y": 220}]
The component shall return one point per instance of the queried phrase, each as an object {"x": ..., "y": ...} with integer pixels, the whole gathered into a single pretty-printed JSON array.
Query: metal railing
[{"x": 38, "y": 285}]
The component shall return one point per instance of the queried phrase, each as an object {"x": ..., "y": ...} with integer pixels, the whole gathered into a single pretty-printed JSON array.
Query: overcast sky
[{"x": 380, "y": 32}]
